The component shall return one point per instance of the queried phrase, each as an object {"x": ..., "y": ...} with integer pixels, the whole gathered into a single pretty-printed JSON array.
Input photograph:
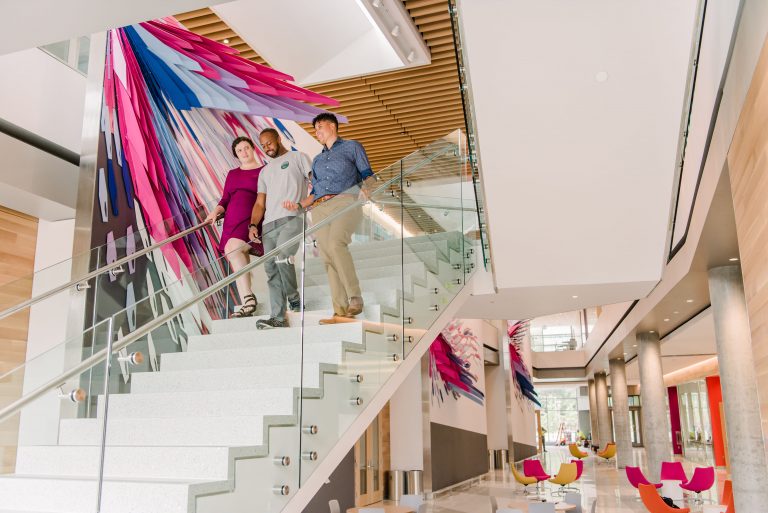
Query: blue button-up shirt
[{"x": 340, "y": 168}]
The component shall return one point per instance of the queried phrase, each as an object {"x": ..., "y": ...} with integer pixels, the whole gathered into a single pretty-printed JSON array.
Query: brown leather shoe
[{"x": 355, "y": 306}]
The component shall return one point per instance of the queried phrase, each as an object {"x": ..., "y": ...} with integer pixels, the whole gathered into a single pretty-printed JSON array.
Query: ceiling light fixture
[
  {"x": 575, "y": 297},
  {"x": 395, "y": 23},
  {"x": 734, "y": 259},
  {"x": 634, "y": 345},
  {"x": 651, "y": 331},
  {"x": 601, "y": 76},
  {"x": 666, "y": 320},
  {"x": 675, "y": 312},
  {"x": 225, "y": 41},
  {"x": 689, "y": 300}
]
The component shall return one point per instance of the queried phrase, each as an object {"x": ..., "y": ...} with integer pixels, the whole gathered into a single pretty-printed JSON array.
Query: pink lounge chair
[
  {"x": 635, "y": 477},
  {"x": 673, "y": 471},
  {"x": 533, "y": 468},
  {"x": 702, "y": 479},
  {"x": 579, "y": 468}
]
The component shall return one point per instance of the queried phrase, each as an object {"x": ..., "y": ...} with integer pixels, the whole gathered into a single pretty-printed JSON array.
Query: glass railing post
[
  {"x": 302, "y": 270},
  {"x": 102, "y": 449}
]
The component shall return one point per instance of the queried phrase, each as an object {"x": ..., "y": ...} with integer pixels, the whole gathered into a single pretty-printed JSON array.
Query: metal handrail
[
  {"x": 101, "y": 270},
  {"x": 101, "y": 355}
]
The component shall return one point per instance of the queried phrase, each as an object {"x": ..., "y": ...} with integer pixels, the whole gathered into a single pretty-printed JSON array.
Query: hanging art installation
[
  {"x": 172, "y": 103},
  {"x": 521, "y": 377},
  {"x": 451, "y": 356}
]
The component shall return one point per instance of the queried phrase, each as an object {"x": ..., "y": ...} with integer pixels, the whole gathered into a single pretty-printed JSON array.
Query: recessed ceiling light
[
  {"x": 675, "y": 312},
  {"x": 411, "y": 56},
  {"x": 575, "y": 297},
  {"x": 666, "y": 320},
  {"x": 601, "y": 76},
  {"x": 634, "y": 345},
  {"x": 225, "y": 41},
  {"x": 651, "y": 331},
  {"x": 376, "y": 3},
  {"x": 395, "y": 31},
  {"x": 689, "y": 300},
  {"x": 734, "y": 259}
]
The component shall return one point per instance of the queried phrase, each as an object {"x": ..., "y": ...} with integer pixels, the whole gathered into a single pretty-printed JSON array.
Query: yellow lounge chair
[
  {"x": 565, "y": 476},
  {"x": 609, "y": 451},
  {"x": 523, "y": 480},
  {"x": 576, "y": 453}
]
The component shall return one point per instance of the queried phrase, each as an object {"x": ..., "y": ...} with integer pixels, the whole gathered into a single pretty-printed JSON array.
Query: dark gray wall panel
[
  {"x": 341, "y": 488},
  {"x": 457, "y": 455},
  {"x": 523, "y": 451}
]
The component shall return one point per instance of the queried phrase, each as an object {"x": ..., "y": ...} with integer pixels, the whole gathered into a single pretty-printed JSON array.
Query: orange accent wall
[{"x": 715, "y": 395}]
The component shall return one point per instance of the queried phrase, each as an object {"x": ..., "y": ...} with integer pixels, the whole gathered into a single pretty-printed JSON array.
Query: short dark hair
[
  {"x": 272, "y": 131},
  {"x": 326, "y": 116},
  {"x": 240, "y": 139}
]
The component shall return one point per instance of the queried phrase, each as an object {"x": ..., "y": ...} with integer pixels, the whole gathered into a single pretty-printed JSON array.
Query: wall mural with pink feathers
[
  {"x": 521, "y": 376},
  {"x": 451, "y": 358},
  {"x": 172, "y": 103}
]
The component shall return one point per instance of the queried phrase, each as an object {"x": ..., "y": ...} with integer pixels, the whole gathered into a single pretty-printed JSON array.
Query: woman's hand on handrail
[{"x": 214, "y": 214}]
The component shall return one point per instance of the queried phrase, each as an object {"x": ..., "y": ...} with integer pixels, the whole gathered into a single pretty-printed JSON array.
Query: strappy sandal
[{"x": 248, "y": 308}]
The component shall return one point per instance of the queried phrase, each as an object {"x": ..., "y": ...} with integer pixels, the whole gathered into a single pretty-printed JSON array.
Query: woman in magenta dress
[{"x": 237, "y": 199}]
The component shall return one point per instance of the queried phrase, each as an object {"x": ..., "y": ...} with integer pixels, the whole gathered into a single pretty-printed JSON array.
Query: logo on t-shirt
[{"x": 284, "y": 165}]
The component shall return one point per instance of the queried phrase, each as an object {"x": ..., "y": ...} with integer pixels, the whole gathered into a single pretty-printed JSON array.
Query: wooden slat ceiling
[{"x": 392, "y": 113}]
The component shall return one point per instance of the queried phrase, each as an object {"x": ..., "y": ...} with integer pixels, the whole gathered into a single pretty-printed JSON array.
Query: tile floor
[{"x": 601, "y": 480}]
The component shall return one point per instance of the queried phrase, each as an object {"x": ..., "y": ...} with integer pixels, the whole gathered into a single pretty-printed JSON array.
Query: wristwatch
[{"x": 253, "y": 225}]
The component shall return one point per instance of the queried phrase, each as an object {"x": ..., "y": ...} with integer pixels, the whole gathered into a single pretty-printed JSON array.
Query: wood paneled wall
[
  {"x": 18, "y": 237},
  {"x": 748, "y": 168}
]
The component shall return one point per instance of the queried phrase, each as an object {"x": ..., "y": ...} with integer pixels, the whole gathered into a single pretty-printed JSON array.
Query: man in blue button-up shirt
[{"x": 339, "y": 174}]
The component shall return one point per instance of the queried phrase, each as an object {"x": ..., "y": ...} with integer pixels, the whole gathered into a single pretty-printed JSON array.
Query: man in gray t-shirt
[{"x": 284, "y": 178}]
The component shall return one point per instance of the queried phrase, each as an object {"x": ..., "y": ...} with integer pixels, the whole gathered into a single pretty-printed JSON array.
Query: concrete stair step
[
  {"x": 205, "y": 431},
  {"x": 225, "y": 379},
  {"x": 199, "y": 404},
  {"x": 253, "y": 357},
  {"x": 350, "y": 332},
  {"x": 65, "y": 495},
  {"x": 181, "y": 462}
]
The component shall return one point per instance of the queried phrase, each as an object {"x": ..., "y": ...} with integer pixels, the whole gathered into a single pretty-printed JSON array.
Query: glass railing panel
[
  {"x": 50, "y": 451},
  {"x": 46, "y": 286}
]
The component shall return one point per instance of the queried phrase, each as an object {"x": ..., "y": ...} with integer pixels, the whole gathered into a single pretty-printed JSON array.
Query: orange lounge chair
[
  {"x": 523, "y": 480},
  {"x": 654, "y": 503},
  {"x": 609, "y": 451},
  {"x": 565, "y": 476}
]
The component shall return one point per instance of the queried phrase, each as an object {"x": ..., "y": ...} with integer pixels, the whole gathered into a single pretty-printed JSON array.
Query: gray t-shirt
[{"x": 284, "y": 178}]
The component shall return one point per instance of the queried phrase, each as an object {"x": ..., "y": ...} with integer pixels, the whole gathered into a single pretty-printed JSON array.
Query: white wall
[
  {"x": 406, "y": 423},
  {"x": 43, "y": 95},
  {"x": 47, "y": 327}
]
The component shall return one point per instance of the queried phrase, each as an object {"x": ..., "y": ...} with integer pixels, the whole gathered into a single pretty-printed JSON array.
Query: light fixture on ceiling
[
  {"x": 651, "y": 331},
  {"x": 675, "y": 312},
  {"x": 397, "y": 26},
  {"x": 601, "y": 76},
  {"x": 575, "y": 297},
  {"x": 689, "y": 300},
  {"x": 666, "y": 320},
  {"x": 733, "y": 259},
  {"x": 225, "y": 41},
  {"x": 634, "y": 345}
]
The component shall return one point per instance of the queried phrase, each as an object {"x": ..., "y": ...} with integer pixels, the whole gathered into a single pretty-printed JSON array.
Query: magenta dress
[{"x": 240, "y": 190}]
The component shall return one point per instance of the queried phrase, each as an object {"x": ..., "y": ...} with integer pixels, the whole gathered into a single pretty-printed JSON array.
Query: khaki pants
[{"x": 332, "y": 241}]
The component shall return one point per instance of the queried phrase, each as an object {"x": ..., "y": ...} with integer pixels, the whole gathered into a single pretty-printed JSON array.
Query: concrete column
[
  {"x": 746, "y": 451},
  {"x": 603, "y": 413},
  {"x": 621, "y": 413},
  {"x": 593, "y": 413},
  {"x": 656, "y": 432}
]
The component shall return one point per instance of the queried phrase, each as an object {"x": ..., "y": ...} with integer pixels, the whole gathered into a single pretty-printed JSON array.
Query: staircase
[{"x": 243, "y": 417}]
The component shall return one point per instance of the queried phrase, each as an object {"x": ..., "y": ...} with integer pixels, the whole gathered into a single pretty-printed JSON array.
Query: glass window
[
  {"x": 560, "y": 414},
  {"x": 59, "y": 50},
  {"x": 83, "y": 51}
]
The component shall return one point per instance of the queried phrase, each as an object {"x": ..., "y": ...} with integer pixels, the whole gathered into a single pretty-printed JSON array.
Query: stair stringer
[
  {"x": 323, "y": 469},
  {"x": 251, "y": 465}
]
